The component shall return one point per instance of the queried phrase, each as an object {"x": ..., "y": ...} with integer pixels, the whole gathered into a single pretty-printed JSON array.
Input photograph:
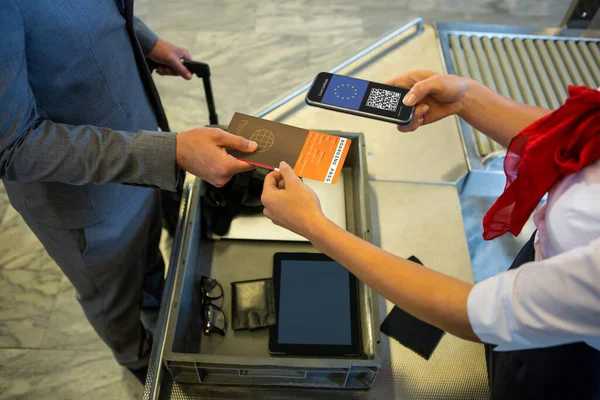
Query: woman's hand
[
  {"x": 289, "y": 203},
  {"x": 435, "y": 96}
]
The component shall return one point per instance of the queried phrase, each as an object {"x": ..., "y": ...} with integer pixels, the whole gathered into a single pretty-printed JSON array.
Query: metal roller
[
  {"x": 474, "y": 71},
  {"x": 534, "y": 81},
  {"x": 485, "y": 67},
  {"x": 519, "y": 72},
  {"x": 482, "y": 63},
  {"x": 590, "y": 64},
  {"x": 543, "y": 74},
  {"x": 483, "y": 142},
  {"x": 560, "y": 89},
  {"x": 462, "y": 66},
  {"x": 559, "y": 63},
  {"x": 576, "y": 77},
  {"x": 595, "y": 51},
  {"x": 580, "y": 63},
  {"x": 459, "y": 57},
  {"x": 495, "y": 66},
  {"x": 530, "y": 69},
  {"x": 509, "y": 75},
  {"x": 498, "y": 77}
]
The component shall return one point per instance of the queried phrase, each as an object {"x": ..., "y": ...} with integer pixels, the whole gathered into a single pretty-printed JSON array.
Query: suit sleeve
[
  {"x": 145, "y": 36},
  {"x": 36, "y": 149}
]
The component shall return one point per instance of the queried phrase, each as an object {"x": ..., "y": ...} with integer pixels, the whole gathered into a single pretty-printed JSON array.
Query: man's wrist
[
  {"x": 151, "y": 54},
  {"x": 180, "y": 151}
]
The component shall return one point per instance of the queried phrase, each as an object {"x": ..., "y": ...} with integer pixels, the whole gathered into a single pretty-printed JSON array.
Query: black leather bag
[{"x": 241, "y": 195}]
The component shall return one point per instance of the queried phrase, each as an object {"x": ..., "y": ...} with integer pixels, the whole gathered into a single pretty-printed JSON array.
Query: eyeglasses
[{"x": 212, "y": 318}]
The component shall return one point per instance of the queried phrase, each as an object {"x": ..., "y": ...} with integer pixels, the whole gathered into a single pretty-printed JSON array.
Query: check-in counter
[{"x": 414, "y": 190}]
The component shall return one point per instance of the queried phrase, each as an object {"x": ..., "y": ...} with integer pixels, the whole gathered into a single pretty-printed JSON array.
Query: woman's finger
[
  {"x": 272, "y": 180},
  {"x": 408, "y": 79},
  {"x": 422, "y": 89},
  {"x": 288, "y": 173},
  {"x": 418, "y": 119},
  {"x": 420, "y": 111},
  {"x": 413, "y": 126}
]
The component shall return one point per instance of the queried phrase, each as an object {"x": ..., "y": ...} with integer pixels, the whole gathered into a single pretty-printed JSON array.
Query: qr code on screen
[{"x": 383, "y": 99}]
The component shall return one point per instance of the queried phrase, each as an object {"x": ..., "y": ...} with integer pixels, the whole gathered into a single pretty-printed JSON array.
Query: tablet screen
[
  {"x": 317, "y": 307},
  {"x": 314, "y": 303}
]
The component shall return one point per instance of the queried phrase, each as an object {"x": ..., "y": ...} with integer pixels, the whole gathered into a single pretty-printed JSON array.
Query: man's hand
[
  {"x": 169, "y": 57},
  {"x": 289, "y": 203},
  {"x": 202, "y": 153}
]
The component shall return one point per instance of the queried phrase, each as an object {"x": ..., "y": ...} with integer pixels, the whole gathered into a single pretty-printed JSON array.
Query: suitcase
[{"x": 170, "y": 201}]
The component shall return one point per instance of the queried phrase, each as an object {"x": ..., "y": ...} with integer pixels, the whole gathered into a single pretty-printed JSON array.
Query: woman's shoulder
[{"x": 573, "y": 210}]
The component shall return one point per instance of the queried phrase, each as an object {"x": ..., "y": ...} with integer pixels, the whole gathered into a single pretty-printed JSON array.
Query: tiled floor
[{"x": 258, "y": 51}]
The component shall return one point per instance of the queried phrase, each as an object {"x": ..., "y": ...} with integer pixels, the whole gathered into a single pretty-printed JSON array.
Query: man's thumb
[{"x": 236, "y": 142}]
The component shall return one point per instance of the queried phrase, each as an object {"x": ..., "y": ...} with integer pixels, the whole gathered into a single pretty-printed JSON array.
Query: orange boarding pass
[{"x": 313, "y": 155}]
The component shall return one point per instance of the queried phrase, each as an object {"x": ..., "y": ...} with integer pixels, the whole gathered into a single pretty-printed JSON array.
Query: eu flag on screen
[{"x": 345, "y": 92}]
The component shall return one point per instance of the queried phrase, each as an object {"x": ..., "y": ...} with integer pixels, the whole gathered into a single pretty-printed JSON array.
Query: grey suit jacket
[{"x": 75, "y": 122}]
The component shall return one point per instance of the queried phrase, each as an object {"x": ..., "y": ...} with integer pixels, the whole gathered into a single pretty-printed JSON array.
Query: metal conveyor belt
[{"x": 529, "y": 69}]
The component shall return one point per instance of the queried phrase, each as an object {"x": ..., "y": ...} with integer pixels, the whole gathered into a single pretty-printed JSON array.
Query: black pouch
[
  {"x": 417, "y": 335},
  {"x": 241, "y": 195},
  {"x": 253, "y": 304}
]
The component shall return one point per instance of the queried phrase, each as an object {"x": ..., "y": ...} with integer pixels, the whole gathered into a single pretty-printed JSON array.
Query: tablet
[{"x": 316, "y": 300}]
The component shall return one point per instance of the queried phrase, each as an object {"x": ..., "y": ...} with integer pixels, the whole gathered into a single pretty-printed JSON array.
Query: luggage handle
[{"x": 202, "y": 70}]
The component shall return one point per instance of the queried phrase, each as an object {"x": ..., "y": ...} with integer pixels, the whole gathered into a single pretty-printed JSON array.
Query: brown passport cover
[{"x": 276, "y": 142}]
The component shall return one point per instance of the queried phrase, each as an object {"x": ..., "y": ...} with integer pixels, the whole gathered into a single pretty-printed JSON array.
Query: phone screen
[{"x": 362, "y": 96}]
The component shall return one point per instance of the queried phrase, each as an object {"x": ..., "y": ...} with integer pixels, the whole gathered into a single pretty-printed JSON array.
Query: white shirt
[{"x": 555, "y": 299}]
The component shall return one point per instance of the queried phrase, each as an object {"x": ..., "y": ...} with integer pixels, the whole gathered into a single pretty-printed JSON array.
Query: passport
[{"x": 312, "y": 155}]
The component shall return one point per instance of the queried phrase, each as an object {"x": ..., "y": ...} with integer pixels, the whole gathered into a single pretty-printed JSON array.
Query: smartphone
[{"x": 360, "y": 97}]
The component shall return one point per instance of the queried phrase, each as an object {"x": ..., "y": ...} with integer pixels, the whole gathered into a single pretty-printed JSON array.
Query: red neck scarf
[{"x": 559, "y": 144}]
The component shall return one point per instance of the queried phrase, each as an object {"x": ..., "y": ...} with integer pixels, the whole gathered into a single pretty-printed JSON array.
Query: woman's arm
[
  {"x": 544, "y": 303},
  {"x": 439, "y": 96},
  {"x": 496, "y": 116},
  {"x": 429, "y": 295}
]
